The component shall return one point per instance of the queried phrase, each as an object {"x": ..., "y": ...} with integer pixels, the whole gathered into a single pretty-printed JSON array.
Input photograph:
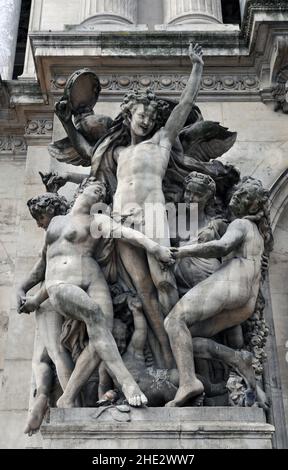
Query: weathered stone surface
[{"x": 158, "y": 428}]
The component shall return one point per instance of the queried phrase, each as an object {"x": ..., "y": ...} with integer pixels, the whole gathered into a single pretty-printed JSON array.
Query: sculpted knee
[{"x": 170, "y": 322}]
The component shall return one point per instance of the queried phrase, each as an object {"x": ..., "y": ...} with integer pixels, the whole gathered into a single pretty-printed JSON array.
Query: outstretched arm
[
  {"x": 216, "y": 248},
  {"x": 181, "y": 112},
  {"x": 108, "y": 228}
]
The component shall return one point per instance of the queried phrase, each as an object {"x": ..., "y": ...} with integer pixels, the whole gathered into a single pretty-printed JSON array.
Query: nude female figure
[
  {"x": 227, "y": 298},
  {"x": 77, "y": 289}
]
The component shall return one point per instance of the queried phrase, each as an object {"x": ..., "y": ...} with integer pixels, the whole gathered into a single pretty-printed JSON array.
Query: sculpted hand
[
  {"x": 63, "y": 110},
  {"x": 175, "y": 252},
  {"x": 164, "y": 256},
  {"x": 53, "y": 182},
  {"x": 21, "y": 297},
  {"x": 195, "y": 54},
  {"x": 29, "y": 305},
  {"x": 134, "y": 302}
]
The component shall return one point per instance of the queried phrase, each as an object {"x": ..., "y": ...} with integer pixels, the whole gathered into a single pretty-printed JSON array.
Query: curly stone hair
[
  {"x": 148, "y": 98},
  {"x": 49, "y": 203}
]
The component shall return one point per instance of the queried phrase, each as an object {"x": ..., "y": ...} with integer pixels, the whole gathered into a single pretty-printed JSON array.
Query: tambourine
[{"x": 82, "y": 91}]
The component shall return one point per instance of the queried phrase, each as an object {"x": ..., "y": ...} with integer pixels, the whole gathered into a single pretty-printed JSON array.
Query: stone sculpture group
[{"x": 133, "y": 306}]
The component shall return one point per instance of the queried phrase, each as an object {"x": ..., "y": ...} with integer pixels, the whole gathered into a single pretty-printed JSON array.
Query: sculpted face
[
  {"x": 43, "y": 219},
  {"x": 143, "y": 119},
  {"x": 243, "y": 202},
  {"x": 196, "y": 193},
  {"x": 95, "y": 192}
]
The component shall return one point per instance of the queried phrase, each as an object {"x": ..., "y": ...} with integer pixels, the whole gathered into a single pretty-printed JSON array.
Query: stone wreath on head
[{"x": 48, "y": 203}]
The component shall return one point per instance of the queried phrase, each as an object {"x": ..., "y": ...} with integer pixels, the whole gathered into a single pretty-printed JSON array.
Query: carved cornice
[
  {"x": 13, "y": 145},
  {"x": 256, "y": 6},
  {"x": 173, "y": 83}
]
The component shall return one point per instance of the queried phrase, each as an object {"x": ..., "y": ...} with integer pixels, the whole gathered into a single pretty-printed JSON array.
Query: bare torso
[
  {"x": 70, "y": 249},
  {"x": 140, "y": 172}
]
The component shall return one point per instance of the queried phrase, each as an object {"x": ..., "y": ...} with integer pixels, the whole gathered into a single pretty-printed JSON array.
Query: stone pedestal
[
  {"x": 157, "y": 428},
  {"x": 9, "y": 21},
  {"x": 185, "y": 12}
]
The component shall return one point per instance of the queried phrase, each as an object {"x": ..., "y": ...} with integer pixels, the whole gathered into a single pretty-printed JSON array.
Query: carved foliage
[{"x": 13, "y": 144}]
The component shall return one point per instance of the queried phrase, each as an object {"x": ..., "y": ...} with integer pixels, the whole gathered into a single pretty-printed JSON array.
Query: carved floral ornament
[
  {"x": 172, "y": 82},
  {"x": 39, "y": 127},
  {"x": 13, "y": 144}
]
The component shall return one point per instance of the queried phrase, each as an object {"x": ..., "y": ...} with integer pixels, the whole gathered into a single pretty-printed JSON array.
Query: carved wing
[
  {"x": 64, "y": 152},
  {"x": 206, "y": 140}
]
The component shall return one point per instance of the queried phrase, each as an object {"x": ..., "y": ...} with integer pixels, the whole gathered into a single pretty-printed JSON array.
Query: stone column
[
  {"x": 9, "y": 22},
  {"x": 110, "y": 11},
  {"x": 183, "y": 12}
]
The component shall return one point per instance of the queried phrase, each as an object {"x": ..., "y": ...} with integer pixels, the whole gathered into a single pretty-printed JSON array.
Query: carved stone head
[
  {"x": 199, "y": 188},
  {"x": 249, "y": 198},
  {"x": 46, "y": 206},
  {"x": 142, "y": 110}
]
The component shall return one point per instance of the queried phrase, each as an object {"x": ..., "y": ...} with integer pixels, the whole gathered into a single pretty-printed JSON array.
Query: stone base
[{"x": 157, "y": 428}]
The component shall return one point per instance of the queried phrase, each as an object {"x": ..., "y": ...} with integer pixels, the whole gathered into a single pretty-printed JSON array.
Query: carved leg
[
  {"x": 135, "y": 262},
  {"x": 43, "y": 375},
  {"x": 72, "y": 300},
  {"x": 50, "y": 327}
]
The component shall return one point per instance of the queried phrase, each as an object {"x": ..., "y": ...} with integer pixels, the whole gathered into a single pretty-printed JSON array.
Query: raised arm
[
  {"x": 63, "y": 111},
  {"x": 181, "y": 112},
  {"x": 233, "y": 237}
]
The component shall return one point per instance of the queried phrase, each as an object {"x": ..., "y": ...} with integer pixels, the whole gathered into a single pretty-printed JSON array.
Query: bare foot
[
  {"x": 64, "y": 403},
  {"x": 186, "y": 392},
  {"x": 133, "y": 395},
  {"x": 36, "y": 415}
]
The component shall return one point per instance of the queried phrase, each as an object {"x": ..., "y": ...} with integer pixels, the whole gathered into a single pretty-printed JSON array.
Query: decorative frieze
[
  {"x": 192, "y": 11},
  {"x": 39, "y": 127},
  {"x": 13, "y": 144},
  {"x": 174, "y": 83}
]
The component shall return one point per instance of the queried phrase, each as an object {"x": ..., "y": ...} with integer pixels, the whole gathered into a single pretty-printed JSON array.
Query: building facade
[{"x": 137, "y": 44}]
